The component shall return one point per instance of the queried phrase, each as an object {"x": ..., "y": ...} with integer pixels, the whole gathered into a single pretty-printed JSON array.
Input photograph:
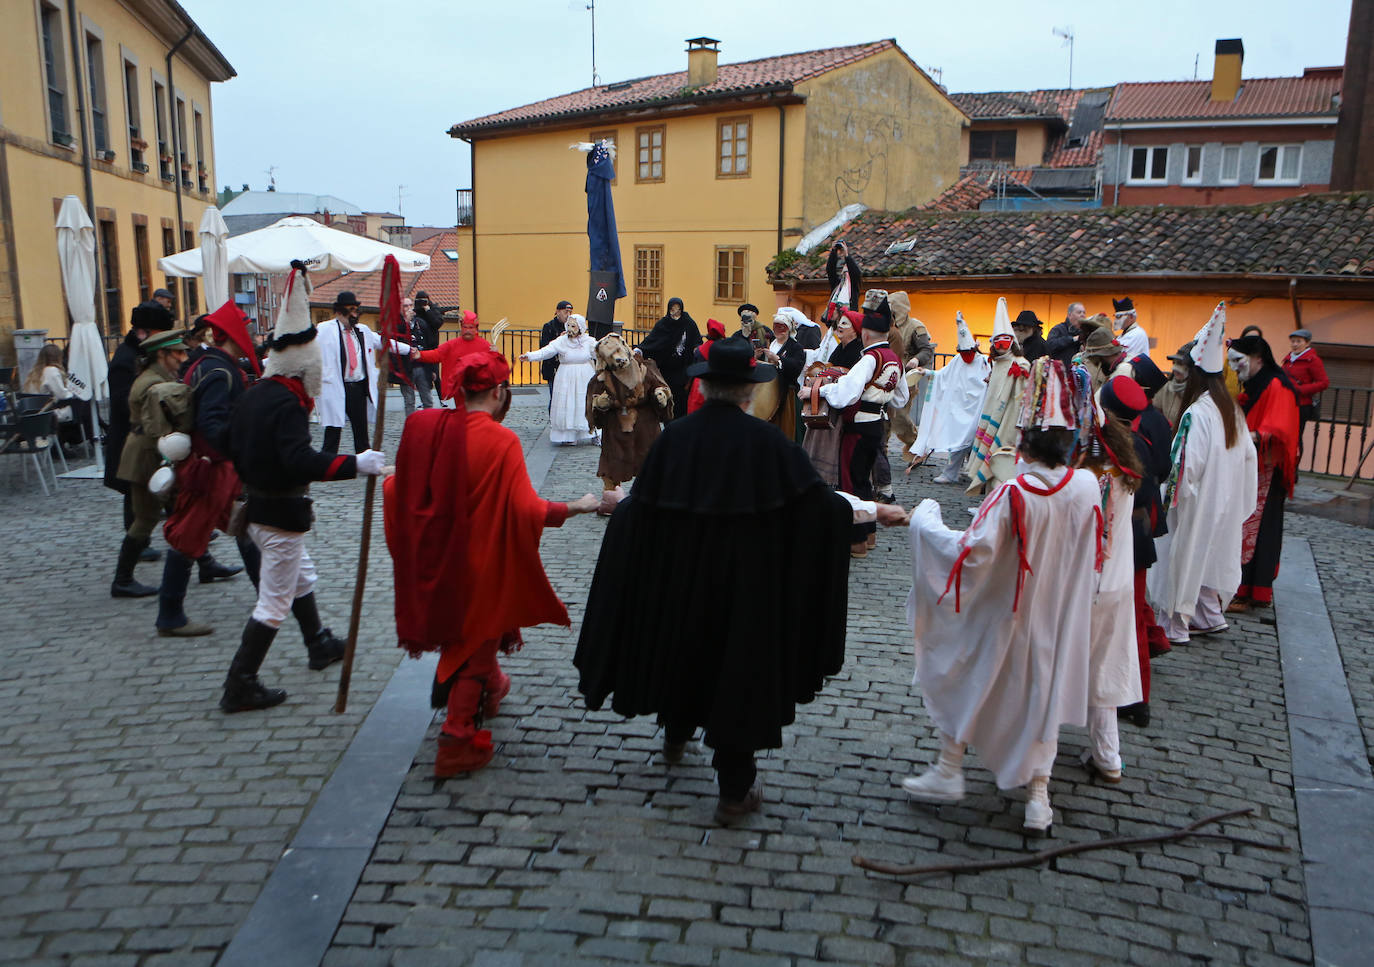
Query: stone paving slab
[
  {"x": 139, "y": 823},
  {"x": 579, "y": 845}
]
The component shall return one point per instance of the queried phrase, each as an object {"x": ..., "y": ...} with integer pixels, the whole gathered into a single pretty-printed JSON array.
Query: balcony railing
[
  {"x": 515, "y": 342},
  {"x": 464, "y": 206},
  {"x": 1334, "y": 442}
]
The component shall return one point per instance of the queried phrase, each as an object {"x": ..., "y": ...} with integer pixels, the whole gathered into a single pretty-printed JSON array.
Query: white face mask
[{"x": 1239, "y": 363}]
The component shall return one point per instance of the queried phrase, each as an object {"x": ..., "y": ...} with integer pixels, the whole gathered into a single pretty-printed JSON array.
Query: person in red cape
[
  {"x": 1270, "y": 402},
  {"x": 460, "y": 496},
  {"x": 714, "y": 330},
  {"x": 448, "y": 354}
]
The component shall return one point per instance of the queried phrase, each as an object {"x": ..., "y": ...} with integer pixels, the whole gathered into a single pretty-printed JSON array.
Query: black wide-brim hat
[
  {"x": 733, "y": 359},
  {"x": 747, "y": 307},
  {"x": 345, "y": 299}
]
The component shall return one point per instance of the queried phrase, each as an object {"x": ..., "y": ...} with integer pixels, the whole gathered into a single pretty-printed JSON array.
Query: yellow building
[
  {"x": 719, "y": 168},
  {"x": 99, "y": 92}
]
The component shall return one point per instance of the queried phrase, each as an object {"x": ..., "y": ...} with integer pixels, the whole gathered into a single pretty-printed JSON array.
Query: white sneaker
[
  {"x": 1039, "y": 816},
  {"x": 934, "y": 785}
]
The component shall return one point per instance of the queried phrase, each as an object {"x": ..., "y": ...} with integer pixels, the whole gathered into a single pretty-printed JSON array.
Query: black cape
[{"x": 676, "y": 623}]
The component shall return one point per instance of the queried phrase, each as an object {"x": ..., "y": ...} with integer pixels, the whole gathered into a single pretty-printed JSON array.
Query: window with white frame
[
  {"x": 1149, "y": 166},
  {"x": 1279, "y": 164},
  {"x": 1192, "y": 165},
  {"x": 55, "y": 73},
  {"x": 1230, "y": 164}
]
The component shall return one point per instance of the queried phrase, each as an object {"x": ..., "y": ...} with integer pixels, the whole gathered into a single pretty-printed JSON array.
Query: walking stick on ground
[
  {"x": 390, "y": 300},
  {"x": 1192, "y": 830}
]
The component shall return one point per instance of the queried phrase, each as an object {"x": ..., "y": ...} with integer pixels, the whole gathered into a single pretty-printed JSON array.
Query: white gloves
[{"x": 371, "y": 463}]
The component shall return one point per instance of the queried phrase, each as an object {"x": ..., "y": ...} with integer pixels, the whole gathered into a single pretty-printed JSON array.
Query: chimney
[
  {"x": 1352, "y": 167},
  {"x": 701, "y": 61},
  {"x": 1226, "y": 70}
]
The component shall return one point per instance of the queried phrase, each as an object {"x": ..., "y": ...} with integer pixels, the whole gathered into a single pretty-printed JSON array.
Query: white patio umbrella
[
  {"x": 87, "y": 367},
  {"x": 271, "y": 250},
  {"x": 214, "y": 235}
]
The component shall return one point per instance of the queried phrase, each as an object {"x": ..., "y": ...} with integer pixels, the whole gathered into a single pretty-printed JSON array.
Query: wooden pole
[
  {"x": 1192, "y": 830},
  {"x": 364, "y": 545}
]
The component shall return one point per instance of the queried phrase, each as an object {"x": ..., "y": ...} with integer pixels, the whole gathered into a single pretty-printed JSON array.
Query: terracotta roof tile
[
  {"x": 1259, "y": 97},
  {"x": 440, "y": 280},
  {"x": 1019, "y": 105},
  {"x": 768, "y": 73},
  {"x": 1312, "y": 235}
]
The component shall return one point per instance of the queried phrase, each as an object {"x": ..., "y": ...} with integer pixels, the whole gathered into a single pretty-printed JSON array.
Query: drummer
[{"x": 789, "y": 358}]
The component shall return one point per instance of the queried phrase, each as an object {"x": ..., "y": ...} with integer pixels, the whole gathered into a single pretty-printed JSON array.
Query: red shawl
[
  {"x": 463, "y": 525},
  {"x": 1274, "y": 418}
]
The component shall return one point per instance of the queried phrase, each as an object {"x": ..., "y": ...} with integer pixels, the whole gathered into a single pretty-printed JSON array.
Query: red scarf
[
  {"x": 297, "y": 388},
  {"x": 1274, "y": 417}
]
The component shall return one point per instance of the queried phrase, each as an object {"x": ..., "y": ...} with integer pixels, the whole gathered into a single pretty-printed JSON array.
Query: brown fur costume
[{"x": 628, "y": 401}]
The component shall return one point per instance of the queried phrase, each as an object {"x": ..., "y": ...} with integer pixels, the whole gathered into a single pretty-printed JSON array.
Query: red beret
[
  {"x": 1124, "y": 397},
  {"x": 855, "y": 318},
  {"x": 476, "y": 372},
  {"x": 715, "y": 328}
]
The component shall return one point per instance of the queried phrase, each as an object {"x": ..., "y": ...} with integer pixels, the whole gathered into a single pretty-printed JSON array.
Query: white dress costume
[
  {"x": 1000, "y": 618},
  {"x": 576, "y": 367}
]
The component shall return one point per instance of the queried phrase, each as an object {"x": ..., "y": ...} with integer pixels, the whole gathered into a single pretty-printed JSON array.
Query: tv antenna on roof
[
  {"x": 591, "y": 5},
  {"x": 271, "y": 174},
  {"x": 1067, "y": 34}
]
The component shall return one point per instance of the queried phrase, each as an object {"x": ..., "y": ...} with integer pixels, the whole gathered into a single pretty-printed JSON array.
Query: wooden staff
[
  {"x": 390, "y": 280},
  {"x": 1192, "y": 830}
]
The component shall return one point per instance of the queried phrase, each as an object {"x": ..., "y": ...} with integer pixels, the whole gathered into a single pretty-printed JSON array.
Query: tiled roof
[
  {"x": 440, "y": 280},
  {"x": 975, "y": 185},
  {"x": 1018, "y": 105},
  {"x": 766, "y": 74},
  {"x": 1312, "y": 235},
  {"x": 1058, "y": 105},
  {"x": 1259, "y": 97}
]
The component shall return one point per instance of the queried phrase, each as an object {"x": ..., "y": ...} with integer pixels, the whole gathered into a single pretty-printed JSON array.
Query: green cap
[{"x": 162, "y": 340}]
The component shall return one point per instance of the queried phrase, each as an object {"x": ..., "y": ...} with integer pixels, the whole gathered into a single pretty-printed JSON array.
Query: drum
[{"x": 767, "y": 399}]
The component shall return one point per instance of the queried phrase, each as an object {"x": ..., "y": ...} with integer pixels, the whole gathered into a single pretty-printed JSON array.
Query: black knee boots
[
  {"x": 124, "y": 584},
  {"x": 213, "y": 570},
  {"x": 242, "y": 690},
  {"x": 324, "y": 648}
]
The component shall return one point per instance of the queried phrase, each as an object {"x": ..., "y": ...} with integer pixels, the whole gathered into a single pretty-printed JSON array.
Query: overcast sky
[{"x": 353, "y": 97}]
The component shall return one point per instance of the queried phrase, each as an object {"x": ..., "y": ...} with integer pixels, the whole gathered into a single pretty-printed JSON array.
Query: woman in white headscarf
[{"x": 576, "y": 352}]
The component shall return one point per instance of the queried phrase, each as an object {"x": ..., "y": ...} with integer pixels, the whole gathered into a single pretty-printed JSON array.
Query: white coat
[
  {"x": 330, "y": 403},
  {"x": 1115, "y": 659},
  {"x": 1004, "y": 681},
  {"x": 1215, "y": 492}
]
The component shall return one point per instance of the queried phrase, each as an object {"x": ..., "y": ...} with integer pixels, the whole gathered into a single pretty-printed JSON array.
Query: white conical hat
[
  {"x": 1209, "y": 345},
  {"x": 1001, "y": 320},
  {"x": 293, "y": 320},
  {"x": 965, "y": 334}
]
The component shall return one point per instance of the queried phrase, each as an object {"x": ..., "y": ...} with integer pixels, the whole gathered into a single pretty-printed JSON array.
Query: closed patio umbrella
[
  {"x": 214, "y": 254},
  {"x": 87, "y": 366}
]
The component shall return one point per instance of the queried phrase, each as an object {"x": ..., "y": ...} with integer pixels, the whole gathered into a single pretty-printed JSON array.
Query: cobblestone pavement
[
  {"x": 579, "y": 845},
  {"x": 138, "y": 822}
]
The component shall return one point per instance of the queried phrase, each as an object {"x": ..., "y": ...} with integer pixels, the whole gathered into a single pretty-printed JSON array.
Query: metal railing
[
  {"x": 1334, "y": 442},
  {"x": 515, "y": 342}
]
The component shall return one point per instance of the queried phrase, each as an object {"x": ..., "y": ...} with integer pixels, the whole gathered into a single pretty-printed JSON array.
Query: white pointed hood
[
  {"x": 1001, "y": 320},
  {"x": 966, "y": 340},
  {"x": 293, "y": 325},
  {"x": 1209, "y": 346}
]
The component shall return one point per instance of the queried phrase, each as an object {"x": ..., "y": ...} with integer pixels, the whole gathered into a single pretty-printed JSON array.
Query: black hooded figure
[
  {"x": 670, "y": 344},
  {"x": 834, "y": 270}
]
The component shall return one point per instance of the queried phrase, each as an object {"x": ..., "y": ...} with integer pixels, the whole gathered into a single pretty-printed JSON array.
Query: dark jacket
[
  {"x": 1063, "y": 343},
  {"x": 216, "y": 384},
  {"x": 832, "y": 272},
  {"x": 1153, "y": 438},
  {"x": 269, "y": 440},
  {"x": 123, "y": 372},
  {"x": 793, "y": 360},
  {"x": 1034, "y": 346},
  {"x": 424, "y": 328},
  {"x": 808, "y": 336},
  {"x": 551, "y": 331}
]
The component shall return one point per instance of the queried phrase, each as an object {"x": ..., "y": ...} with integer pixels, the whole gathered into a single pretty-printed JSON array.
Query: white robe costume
[
  {"x": 953, "y": 404},
  {"x": 1114, "y": 659},
  {"x": 1213, "y": 493},
  {"x": 1136, "y": 342},
  {"x": 568, "y": 414},
  {"x": 1003, "y": 659}
]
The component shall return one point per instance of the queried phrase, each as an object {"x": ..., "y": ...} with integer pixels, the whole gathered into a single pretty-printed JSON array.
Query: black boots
[
  {"x": 171, "y": 600},
  {"x": 320, "y": 642},
  {"x": 213, "y": 570},
  {"x": 242, "y": 690},
  {"x": 124, "y": 585}
]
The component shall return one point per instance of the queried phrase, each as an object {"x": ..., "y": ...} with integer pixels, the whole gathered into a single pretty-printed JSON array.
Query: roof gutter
[{"x": 100, "y": 319}]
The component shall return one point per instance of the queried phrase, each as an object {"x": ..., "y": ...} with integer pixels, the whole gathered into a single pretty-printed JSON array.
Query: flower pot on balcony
[
  {"x": 140, "y": 166},
  {"x": 138, "y": 144},
  {"x": 107, "y": 155}
]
